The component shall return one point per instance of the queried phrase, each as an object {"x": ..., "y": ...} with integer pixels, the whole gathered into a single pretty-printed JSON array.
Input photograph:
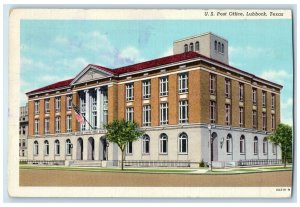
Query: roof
[
  {"x": 59, "y": 84},
  {"x": 101, "y": 68}
]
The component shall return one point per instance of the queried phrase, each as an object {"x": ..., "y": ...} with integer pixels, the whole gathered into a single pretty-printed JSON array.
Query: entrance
[
  {"x": 79, "y": 154},
  {"x": 91, "y": 147},
  {"x": 214, "y": 150},
  {"x": 103, "y": 149}
]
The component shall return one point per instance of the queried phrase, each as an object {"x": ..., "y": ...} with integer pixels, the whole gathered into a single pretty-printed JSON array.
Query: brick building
[
  {"x": 174, "y": 99},
  {"x": 23, "y": 131}
]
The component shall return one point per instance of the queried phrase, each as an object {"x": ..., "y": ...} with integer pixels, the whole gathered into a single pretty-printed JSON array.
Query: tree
[
  {"x": 122, "y": 132},
  {"x": 283, "y": 137}
]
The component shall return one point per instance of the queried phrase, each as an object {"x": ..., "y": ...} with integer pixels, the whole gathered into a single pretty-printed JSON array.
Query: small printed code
[{"x": 283, "y": 189}]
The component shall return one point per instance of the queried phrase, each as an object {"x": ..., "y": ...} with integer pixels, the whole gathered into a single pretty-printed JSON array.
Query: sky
[{"x": 53, "y": 50}]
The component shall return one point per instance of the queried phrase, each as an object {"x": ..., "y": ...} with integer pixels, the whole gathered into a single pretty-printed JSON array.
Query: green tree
[
  {"x": 122, "y": 132},
  {"x": 283, "y": 137}
]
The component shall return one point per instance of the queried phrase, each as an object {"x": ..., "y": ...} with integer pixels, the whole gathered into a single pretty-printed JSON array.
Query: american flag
[{"x": 79, "y": 117}]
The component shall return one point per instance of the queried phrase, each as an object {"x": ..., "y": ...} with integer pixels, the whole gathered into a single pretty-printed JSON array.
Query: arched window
[
  {"x": 146, "y": 144},
  {"x": 186, "y": 49},
  {"x": 197, "y": 48},
  {"x": 46, "y": 149},
  {"x": 219, "y": 47},
  {"x": 68, "y": 147},
  {"x": 191, "y": 46},
  {"x": 35, "y": 148},
  {"x": 163, "y": 144},
  {"x": 56, "y": 147},
  {"x": 222, "y": 48},
  {"x": 215, "y": 45},
  {"x": 183, "y": 143},
  {"x": 242, "y": 144},
  {"x": 229, "y": 144},
  {"x": 265, "y": 145},
  {"x": 255, "y": 145}
]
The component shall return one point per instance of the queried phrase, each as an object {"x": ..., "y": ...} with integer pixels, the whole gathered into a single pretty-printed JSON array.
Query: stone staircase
[{"x": 85, "y": 163}]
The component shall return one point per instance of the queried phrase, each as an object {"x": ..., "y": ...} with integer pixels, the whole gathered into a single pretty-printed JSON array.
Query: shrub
[{"x": 202, "y": 164}]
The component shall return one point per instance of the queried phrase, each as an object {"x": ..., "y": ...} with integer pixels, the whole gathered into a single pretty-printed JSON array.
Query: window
[
  {"x": 242, "y": 144},
  {"x": 265, "y": 146},
  {"x": 273, "y": 121},
  {"x": 197, "y": 47},
  {"x": 222, "y": 48},
  {"x": 263, "y": 99},
  {"x": 163, "y": 86},
  {"x": 219, "y": 47},
  {"x": 254, "y": 96},
  {"x": 129, "y": 114},
  {"x": 186, "y": 48},
  {"x": 129, "y": 148},
  {"x": 129, "y": 92},
  {"x": 57, "y": 104},
  {"x": 56, "y": 147},
  {"x": 163, "y": 144},
  {"x": 183, "y": 143},
  {"x": 46, "y": 149},
  {"x": 183, "y": 111},
  {"x": 183, "y": 83},
  {"x": 229, "y": 144},
  {"x": 227, "y": 88},
  {"x": 212, "y": 84},
  {"x": 212, "y": 111},
  {"x": 82, "y": 111},
  {"x": 146, "y": 115},
  {"x": 273, "y": 101},
  {"x": 216, "y": 47},
  {"x": 254, "y": 119},
  {"x": 146, "y": 144},
  {"x": 57, "y": 124},
  {"x": 47, "y": 126},
  {"x": 146, "y": 89},
  {"x": 69, "y": 102},
  {"x": 264, "y": 121},
  {"x": 36, "y": 126},
  {"x": 36, "y": 107},
  {"x": 241, "y": 92},
  {"x": 241, "y": 119},
  {"x": 69, "y": 123},
  {"x": 255, "y": 145},
  {"x": 191, "y": 47},
  {"x": 35, "y": 148},
  {"x": 68, "y": 147},
  {"x": 274, "y": 148},
  {"x": 227, "y": 114},
  {"x": 163, "y": 113},
  {"x": 94, "y": 109},
  {"x": 47, "y": 105}
]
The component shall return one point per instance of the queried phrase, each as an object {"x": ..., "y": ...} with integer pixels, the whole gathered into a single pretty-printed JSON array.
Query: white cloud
[
  {"x": 288, "y": 121},
  {"x": 127, "y": 56},
  {"x": 279, "y": 76},
  {"x": 168, "y": 52},
  {"x": 249, "y": 51},
  {"x": 287, "y": 104}
]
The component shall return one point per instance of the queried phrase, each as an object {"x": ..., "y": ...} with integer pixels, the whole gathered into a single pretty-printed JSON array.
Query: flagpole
[{"x": 82, "y": 116}]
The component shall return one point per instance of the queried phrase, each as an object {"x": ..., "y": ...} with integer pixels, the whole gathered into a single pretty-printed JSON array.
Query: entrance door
[
  {"x": 79, "y": 153},
  {"x": 103, "y": 149},
  {"x": 214, "y": 152},
  {"x": 91, "y": 147}
]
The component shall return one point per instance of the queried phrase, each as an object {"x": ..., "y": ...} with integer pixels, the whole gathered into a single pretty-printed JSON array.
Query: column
[
  {"x": 87, "y": 109},
  {"x": 98, "y": 107},
  {"x": 101, "y": 109}
]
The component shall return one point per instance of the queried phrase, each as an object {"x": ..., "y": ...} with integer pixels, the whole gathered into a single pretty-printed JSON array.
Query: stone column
[
  {"x": 101, "y": 109},
  {"x": 98, "y": 107},
  {"x": 87, "y": 109}
]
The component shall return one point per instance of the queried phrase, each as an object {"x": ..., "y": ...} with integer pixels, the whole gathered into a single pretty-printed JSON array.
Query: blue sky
[{"x": 56, "y": 50}]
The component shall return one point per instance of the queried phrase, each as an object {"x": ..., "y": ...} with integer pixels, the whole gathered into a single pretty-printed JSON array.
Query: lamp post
[{"x": 210, "y": 147}]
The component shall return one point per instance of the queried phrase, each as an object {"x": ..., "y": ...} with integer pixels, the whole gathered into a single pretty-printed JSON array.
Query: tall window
[
  {"x": 36, "y": 126},
  {"x": 35, "y": 148},
  {"x": 146, "y": 89},
  {"x": 82, "y": 111},
  {"x": 191, "y": 47},
  {"x": 254, "y": 119},
  {"x": 242, "y": 144},
  {"x": 183, "y": 83},
  {"x": 163, "y": 144},
  {"x": 263, "y": 99},
  {"x": 146, "y": 144},
  {"x": 274, "y": 148},
  {"x": 264, "y": 121},
  {"x": 273, "y": 101},
  {"x": 57, "y": 124},
  {"x": 46, "y": 125},
  {"x": 227, "y": 114},
  {"x": 129, "y": 148},
  {"x": 241, "y": 92},
  {"x": 183, "y": 143},
  {"x": 255, "y": 145},
  {"x": 57, "y": 104},
  {"x": 129, "y": 114},
  {"x": 254, "y": 96},
  {"x": 197, "y": 47},
  {"x": 57, "y": 147},
  {"x": 186, "y": 49},
  {"x": 163, "y": 86},
  {"x": 129, "y": 92},
  {"x": 241, "y": 119},
  {"x": 36, "y": 107},
  {"x": 216, "y": 45},
  {"x": 164, "y": 113},
  {"x": 69, "y": 102},
  {"x": 265, "y": 146},
  {"x": 183, "y": 111},
  {"x": 146, "y": 115},
  {"x": 94, "y": 109},
  {"x": 219, "y": 47},
  {"x": 68, "y": 147},
  {"x": 227, "y": 88},
  {"x": 46, "y": 147},
  {"x": 69, "y": 123},
  {"x": 222, "y": 49},
  {"x": 47, "y": 105},
  {"x": 212, "y": 111},
  {"x": 212, "y": 84},
  {"x": 273, "y": 121},
  {"x": 229, "y": 144}
]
